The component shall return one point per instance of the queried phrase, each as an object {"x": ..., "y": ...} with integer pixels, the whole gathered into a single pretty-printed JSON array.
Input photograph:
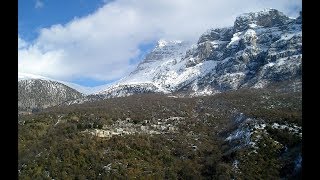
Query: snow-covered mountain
[
  {"x": 154, "y": 72},
  {"x": 261, "y": 48},
  {"x": 39, "y": 93},
  {"x": 82, "y": 89}
]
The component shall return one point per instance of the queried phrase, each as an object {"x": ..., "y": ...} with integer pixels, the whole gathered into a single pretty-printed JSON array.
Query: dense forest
[{"x": 243, "y": 134}]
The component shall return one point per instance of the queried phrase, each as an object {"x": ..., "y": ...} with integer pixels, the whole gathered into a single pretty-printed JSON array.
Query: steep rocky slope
[{"x": 260, "y": 49}]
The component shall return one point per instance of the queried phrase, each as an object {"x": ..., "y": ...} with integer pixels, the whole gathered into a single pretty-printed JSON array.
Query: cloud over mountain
[{"x": 103, "y": 44}]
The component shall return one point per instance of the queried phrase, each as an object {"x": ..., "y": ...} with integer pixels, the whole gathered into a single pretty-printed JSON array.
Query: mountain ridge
[
  {"x": 82, "y": 89},
  {"x": 36, "y": 94},
  {"x": 260, "y": 48}
]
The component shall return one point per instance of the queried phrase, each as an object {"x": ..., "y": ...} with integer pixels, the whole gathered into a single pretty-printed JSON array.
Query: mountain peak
[
  {"x": 162, "y": 43},
  {"x": 264, "y": 18},
  {"x": 261, "y": 48}
]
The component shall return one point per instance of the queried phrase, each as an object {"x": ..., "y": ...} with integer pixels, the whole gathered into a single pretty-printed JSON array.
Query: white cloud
[
  {"x": 39, "y": 4},
  {"x": 101, "y": 44},
  {"x": 21, "y": 43}
]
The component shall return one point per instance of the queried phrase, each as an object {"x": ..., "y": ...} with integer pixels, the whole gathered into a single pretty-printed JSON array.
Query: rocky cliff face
[
  {"x": 261, "y": 48},
  {"x": 34, "y": 94}
]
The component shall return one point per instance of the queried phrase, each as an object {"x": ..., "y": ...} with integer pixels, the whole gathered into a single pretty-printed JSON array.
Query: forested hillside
[{"x": 242, "y": 134}]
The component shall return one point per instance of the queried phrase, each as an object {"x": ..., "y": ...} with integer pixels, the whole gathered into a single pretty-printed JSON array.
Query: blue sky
[
  {"x": 31, "y": 17},
  {"x": 95, "y": 42},
  {"x": 36, "y": 14}
]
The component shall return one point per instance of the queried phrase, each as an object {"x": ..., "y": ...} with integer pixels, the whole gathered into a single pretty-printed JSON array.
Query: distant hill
[{"x": 34, "y": 94}]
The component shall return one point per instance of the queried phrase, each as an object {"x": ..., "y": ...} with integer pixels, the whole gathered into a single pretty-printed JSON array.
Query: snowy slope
[
  {"x": 152, "y": 73},
  {"x": 164, "y": 59},
  {"x": 39, "y": 93},
  {"x": 259, "y": 49}
]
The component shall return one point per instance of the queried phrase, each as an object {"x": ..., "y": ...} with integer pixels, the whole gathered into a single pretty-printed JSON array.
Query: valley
[
  {"x": 163, "y": 137},
  {"x": 228, "y": 106}
]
